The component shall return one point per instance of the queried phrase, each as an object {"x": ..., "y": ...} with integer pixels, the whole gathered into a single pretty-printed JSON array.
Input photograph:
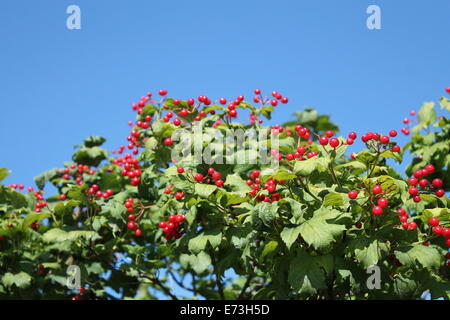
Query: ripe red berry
[
  {"x": 329, "y": 133},
  {"x": 162, "y": 92},
  {"x": 131, "y": 225},
  {"x": 352, "y": 194},
  {"x": 437, "y": 230},
  {"x": 198, "y": 177},
  {"x": 352, "y": 135},
  {"x": 446, "y": 232},
  {"x": 377, "y": 189},
  {"x": 63, "y": 197},
  {"x": 413, "y": 191},
  {"x": 138, "y": 232},
  {"x": 168, "y": 141},
  {"x": 274, "y": 102},
  {"x": 433, "y": 222},
  {"x": 377, "y": 211},
  {"x": 323, "y": 141},
  {"x": 349, "y": 141},
  {"x": 384, "y": 139},
  {"x": 334, "y": 142},
  {"x": 179, "y": 195},
  {"x": 284, "y": 100},
  {"x": 219, "y": 183},
  {"x": 176, "y": 121},
  {"x": 180, "y": 169},
  {"x": 448, "y": 90},
  {"x": 383, "y": 202},
  {"x": 413, "y": 181},
  {"x": 440, "y": 192},
  {"x": 412, "y": 225},
  {"x": 393, "y": 133},
  {"x": 436, "y": 183},
  {"x": 423, "y": 183}
]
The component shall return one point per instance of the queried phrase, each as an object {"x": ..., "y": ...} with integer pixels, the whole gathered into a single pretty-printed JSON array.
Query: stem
[{"x": 218, "y": 282}]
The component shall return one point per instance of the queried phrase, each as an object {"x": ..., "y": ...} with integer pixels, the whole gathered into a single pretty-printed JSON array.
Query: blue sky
[{"x": 58, "y": 86}]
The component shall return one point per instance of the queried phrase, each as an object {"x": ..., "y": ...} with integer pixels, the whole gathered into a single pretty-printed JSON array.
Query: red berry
[
  {"x": 162, "y": 92},
  {"x": 417, "y": 199},
  {"x": 377, "y": 189},
  {"x": 168, "y": 141},
  {"x": 413, "y": 191},
  {"x": 437, "y": 230},
  {"x": 198, "y": 177},
  {"x": 176, "y": 121},
  {"x": 413, "y": 181},
  {"x": 377, "y": 211},
  {"x": 329, "y": 133},
  {"x": 383, "y": 202},
  {"x": 216, "y": 175},
  {"x": 131, "y": 225},
  {"x": 219, "y": 183},
  {"x": 352, "y": 135},
  {"x": 323, "y": 141},
  {"x": 384, "y": 139},
  {"x": 334, "y": 142},
  {"x": 440, "y": 192},
  {"x": 423, "y": 183},
  {"x": 138, "y": 232},
  {"x": 393, "y": 133},
  {"x": 180, "y": 169},
  {"x": 446, "y": 232},
  {"x": 436, "y": 183},
  {"x": 63, "y": 197},
  {"x": 412, "y": 225},
  {"x": 433, "y": 221},
  {"x": 352, "y": 194}
]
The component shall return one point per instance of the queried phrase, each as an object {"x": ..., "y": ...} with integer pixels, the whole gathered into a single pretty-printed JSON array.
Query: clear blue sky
[{"x": 58, "y": 86}]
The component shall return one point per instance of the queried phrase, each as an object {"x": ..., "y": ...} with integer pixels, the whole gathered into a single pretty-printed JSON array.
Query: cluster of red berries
[
  {"x": 403, "y": 217},
  {"x": 297, "y": 155},
  {"x": 131, "y": 168},
  {"x": 439, "y": 230},
  {"x": 212, "y": 176},
  {"x": 271, "y": 185},
  {"x": 172, "y": 226},
  {"x": 178, "y": 195},
  {"x": 334, "y": 142},
  {"x": 134, "y": 137},
  {"x": 232, "y": 112},
  {"x": 381, "y": 202},
  {"x": 132, "y": 219},
  {"x": 16, "y": 186},
  {"x": 406, "y": 121},
  {"x": 77, "y": 171},
  {"x": 35, "y": 226},
  {"x": 276, "y": 97},
  {"x": 40, "y": 201},
  {"x": 383, "y": 140},
  {"x": 98, "y": 193},
  {"x": 419, "y": 180}
]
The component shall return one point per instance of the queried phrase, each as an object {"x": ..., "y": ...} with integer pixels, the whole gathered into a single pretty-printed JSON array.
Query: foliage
[{"x": 305, "y": 239}]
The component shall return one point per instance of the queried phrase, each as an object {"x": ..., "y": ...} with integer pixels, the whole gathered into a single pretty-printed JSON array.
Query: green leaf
[
  {"x": 269, "y": 249},
  {"x": 367, "y": 251},
  {"x": 318, "y": 232},
  {"x": 393, "y": 155},
  {"x": 333, "y": 199},
  {"x": 197, "y": 244},
  {"x": 33, "y": 217},
  {"x": 94, "y": 141},
  {"x": 44, "y": 177},
  {"x": 200, "y": 262},
  {"x": 420, "y": 256},
  {"x": 204, "y": 190},
  {"x": 445, "y": 103},
  {"x": 307, "y": 274},
  {"x": 21, "y": 280},
  {"x": 306, "y": 167},
  {"x": 290, "y": 235},
  {"x": 427, "y": 115},
  {"x": 442, "y": 214},
  {"x": 3, "y": 173},
  {"x": 237, "y": 184}
]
